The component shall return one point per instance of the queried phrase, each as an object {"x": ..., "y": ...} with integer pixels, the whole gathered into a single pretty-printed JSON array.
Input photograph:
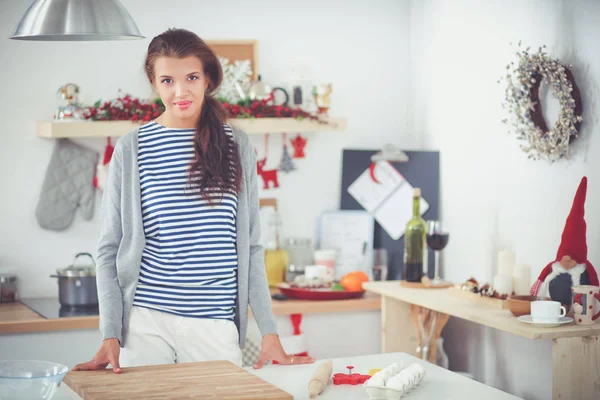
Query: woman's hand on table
[
  {"x": 108, "y": 354},
  {"x": 272, "y": 349}
]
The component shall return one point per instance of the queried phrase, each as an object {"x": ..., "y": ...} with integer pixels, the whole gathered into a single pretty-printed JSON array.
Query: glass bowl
[{"x": 30, "y": 379}]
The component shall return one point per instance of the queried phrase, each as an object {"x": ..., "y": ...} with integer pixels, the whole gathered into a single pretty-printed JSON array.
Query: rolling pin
[{"x": 320, "y": 378}]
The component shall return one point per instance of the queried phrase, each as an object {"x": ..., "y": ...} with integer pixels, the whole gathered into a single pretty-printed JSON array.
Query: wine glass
[
  {"x": 437, "y": 239},
  {"x": 380, "y": 264}
]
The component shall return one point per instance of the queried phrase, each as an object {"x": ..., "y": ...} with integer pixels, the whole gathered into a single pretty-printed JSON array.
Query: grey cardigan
[{"x": 122, "y": 241}]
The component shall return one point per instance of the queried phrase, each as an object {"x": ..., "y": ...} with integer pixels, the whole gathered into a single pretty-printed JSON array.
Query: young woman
[{"x": 179, "y": 256}]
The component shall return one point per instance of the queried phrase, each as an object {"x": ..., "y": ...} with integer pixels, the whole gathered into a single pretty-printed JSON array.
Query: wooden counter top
[
  {"x": 18, "y": 318},
  {"x": 448, "y": 302},
  {"x": 189, "y": 380}
]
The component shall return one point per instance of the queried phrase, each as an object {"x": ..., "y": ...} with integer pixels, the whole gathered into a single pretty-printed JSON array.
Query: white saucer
[{"x": 561, "y": 321}]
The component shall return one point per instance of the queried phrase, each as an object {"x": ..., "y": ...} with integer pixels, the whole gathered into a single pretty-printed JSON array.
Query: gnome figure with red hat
[{"x": 571, "y": 266}]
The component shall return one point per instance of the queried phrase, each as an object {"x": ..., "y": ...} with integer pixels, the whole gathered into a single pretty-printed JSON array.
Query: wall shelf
[{"x": 81, "y": 129}]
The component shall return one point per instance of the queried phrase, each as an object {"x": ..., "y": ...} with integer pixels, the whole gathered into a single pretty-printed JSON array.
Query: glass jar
[
  {"x": 276, "y": 257},
  {"x": 276, "y": 262},
  {"x": 274, "y": 231},
  {"x": 300, "y": 255},
  {"x": 8, "y": 288}
]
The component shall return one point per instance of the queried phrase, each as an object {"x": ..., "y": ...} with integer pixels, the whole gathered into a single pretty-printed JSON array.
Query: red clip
[
  {"x": 349, "y": 378},
  {"x": 372, "y": 172}
]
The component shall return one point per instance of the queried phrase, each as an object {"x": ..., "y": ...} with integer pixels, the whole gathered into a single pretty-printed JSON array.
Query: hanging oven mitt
[{"x": 68, "y": 184}]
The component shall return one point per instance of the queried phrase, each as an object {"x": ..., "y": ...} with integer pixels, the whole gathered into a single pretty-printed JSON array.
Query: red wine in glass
[{"x": 437, "y": 241}]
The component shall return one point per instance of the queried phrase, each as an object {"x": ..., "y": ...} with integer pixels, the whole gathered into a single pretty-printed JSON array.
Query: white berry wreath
[{"x": 523, "y": 103}]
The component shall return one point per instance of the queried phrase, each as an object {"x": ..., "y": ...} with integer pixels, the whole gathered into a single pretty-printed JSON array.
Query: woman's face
[{"x": 181, "y": 84}]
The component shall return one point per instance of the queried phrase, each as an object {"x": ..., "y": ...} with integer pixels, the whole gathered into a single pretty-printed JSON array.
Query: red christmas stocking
[{"x": 102, "y": 169}]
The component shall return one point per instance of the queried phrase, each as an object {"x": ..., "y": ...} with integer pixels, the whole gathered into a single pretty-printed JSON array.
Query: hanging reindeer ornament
[{"x": 269, "y": 175}]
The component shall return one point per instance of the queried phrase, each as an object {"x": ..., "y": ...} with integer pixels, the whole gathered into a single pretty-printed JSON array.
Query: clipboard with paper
[
  {"x": 387, "y": 195},
  {"x": 350, "y": 234}
]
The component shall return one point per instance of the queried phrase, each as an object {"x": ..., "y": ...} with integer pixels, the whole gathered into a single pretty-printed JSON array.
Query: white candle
[
  {"x": 506, "y": 262},
  {"x": 503, "y": 284},
  {"x": 522, "y": 279}
]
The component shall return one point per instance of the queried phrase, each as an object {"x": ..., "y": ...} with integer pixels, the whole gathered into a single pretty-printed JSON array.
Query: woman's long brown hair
[{"x": 216, "y": 164}]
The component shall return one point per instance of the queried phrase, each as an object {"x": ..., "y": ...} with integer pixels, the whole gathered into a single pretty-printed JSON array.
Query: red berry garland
[
  {"x": 131, "y": 108},
  {"x": 262, "y": 109},
  {"x": 125, "y": 108}
]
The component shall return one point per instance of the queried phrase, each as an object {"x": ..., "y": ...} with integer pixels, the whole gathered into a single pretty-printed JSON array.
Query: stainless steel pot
[{"x": 77, "y": 284}]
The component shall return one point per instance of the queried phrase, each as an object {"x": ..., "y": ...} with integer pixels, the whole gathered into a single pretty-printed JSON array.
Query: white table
[{"x": 438, "y": 383}]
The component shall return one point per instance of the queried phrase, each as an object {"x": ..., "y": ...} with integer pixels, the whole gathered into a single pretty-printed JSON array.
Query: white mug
[{"x": 547, "y": 311}]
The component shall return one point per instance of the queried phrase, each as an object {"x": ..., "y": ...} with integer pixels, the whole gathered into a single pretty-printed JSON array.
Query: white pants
[{"x": 156, "y": 337}]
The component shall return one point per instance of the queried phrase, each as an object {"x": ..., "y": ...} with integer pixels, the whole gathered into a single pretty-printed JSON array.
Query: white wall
[
  {"x": 359, "y": 46},
  {"x": 493, "y": 197}
]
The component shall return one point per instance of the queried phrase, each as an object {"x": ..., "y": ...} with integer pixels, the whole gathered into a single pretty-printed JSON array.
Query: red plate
[{"x": 317, "y": 294}]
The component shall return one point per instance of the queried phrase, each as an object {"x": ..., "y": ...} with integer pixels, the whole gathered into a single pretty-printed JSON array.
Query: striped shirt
[{"x": 189, "y": 263}]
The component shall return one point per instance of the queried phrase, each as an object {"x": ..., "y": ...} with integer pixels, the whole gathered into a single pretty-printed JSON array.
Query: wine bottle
[{"x": 414, "y": 242}]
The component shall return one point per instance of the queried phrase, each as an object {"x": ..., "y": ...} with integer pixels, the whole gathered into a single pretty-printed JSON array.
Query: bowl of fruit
[{"x": 349, "y": 287}]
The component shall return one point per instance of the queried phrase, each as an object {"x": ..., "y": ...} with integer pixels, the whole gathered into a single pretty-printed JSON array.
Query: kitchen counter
[
  {"x": 447, "y": 301},
  {"x": 438, "y": 383},
  {"x": 42, "y": 315},
  {"x": 575, "y": 348},
  {"x": 19, "y": 318}
]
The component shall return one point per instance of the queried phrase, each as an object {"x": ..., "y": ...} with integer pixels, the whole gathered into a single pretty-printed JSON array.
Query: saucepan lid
[{"x": 79, "y": 270}]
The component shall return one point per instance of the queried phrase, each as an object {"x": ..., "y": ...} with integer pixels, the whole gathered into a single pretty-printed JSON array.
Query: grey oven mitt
[{"x": 68, "y": 184}]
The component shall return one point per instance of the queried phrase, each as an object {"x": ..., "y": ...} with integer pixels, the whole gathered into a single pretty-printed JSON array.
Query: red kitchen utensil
[
  {"x": 349, "y": 378},
  {"x": 317, "y": 294}
]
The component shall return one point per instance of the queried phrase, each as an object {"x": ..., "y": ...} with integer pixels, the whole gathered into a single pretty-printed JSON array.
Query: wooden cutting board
[{"x": 220, "y": 380}]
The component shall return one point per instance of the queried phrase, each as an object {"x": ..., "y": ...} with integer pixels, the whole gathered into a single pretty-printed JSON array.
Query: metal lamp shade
[{"x": 76, "y": 20}]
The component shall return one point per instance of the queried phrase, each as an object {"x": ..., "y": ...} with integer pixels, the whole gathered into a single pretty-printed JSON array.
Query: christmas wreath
[{"x": 523, "y": 102}]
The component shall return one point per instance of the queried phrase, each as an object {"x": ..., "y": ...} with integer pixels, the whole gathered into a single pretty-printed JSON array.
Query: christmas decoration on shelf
[
  {"x": 125, "y": 107},
  {"x": 102, "y": 168},
  {"x": 69, "y": 108},
  {"x": 571, "y": 266},
  {"x": 286, "y": 164},
  {"x": 299, "y": 143},
  {"x": 483, "y": 290},
  {"x": 259, "y": 91},
  {"x": 523, "y": 103},
  {"x": 256, "y": 99},
  {"x": 269, "y": 175},
  {"x": 322, "y": 93},
  {"x": 264, "y": 109},
  {"x": 236, "y": 78}
]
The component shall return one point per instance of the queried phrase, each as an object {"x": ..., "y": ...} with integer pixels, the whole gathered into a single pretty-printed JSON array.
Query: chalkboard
[{"x": 422, "y": 171}]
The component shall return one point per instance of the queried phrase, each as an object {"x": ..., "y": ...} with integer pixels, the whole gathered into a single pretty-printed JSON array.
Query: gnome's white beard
[{"x": 558, "y": 269}]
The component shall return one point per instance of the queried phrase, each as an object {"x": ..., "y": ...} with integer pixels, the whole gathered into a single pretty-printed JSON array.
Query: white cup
[{"x": 547, "y": 311}]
